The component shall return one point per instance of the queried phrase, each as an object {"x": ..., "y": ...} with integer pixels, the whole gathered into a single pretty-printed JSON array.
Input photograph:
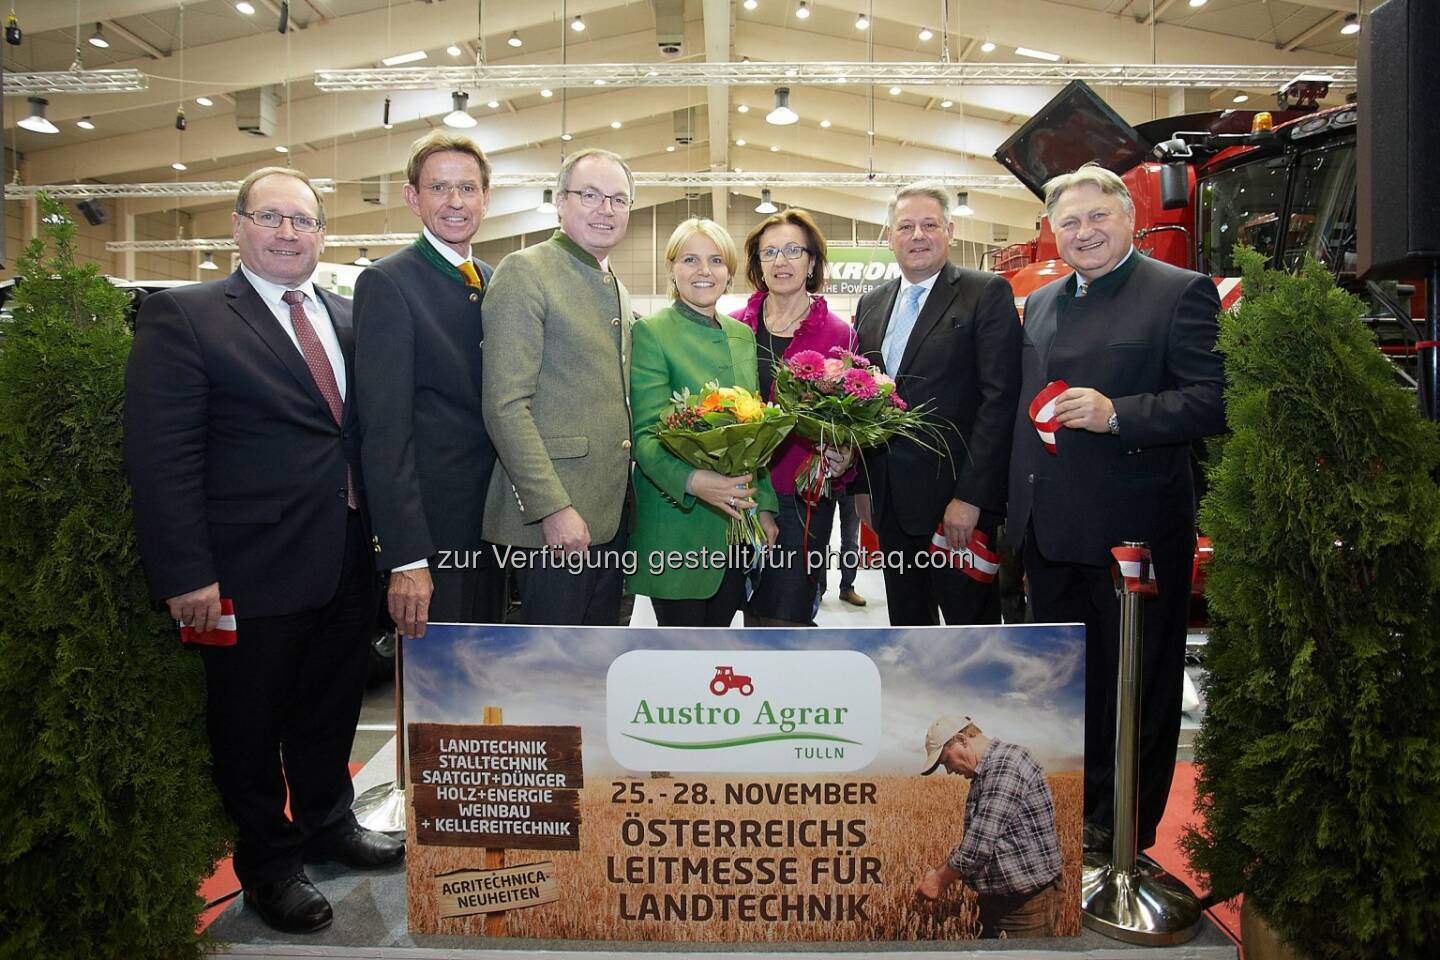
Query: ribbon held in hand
[
  {"x": 224, "y": 633},
  {"x": 1042, "y": 412},
  {"x": 1136, "y": 570},
  {"x": 977, "y": 561}
]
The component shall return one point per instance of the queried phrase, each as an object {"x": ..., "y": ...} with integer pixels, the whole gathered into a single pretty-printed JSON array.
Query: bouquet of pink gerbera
[
  {"x": 731, "y": 431},
  {"x": 842, "y": 401}
]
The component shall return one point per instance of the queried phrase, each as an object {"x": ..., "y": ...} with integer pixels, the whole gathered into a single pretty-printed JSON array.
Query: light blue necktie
[{"x": 899, "y": 333}]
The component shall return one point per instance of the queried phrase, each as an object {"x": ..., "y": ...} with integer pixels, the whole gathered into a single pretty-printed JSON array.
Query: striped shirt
[{"x": 1010, "y": 846}]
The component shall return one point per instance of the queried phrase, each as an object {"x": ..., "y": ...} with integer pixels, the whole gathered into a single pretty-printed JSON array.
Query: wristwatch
[{"x": 1113, "y": 424}]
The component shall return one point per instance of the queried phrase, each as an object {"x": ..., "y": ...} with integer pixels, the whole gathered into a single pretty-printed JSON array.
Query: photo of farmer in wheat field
[{"x": 766, "y": 786}]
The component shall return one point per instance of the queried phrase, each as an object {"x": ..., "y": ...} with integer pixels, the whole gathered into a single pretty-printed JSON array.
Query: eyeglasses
[
  {"x": 927, "y": 226},
  {"x": 442, "y": 189},
  {"x": 792, "y": 251},
  {"x": 593, "y": 199},
  {"x": 272, "y": 220}
]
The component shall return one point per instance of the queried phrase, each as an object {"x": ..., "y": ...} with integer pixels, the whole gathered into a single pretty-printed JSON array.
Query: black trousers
[
  {"x": 1068, "y": 592},
  {"x": 281, "y": 710},
  {"x": 469, "y": 588},
  {"x": 587, "y": 594},
  {"x": 714, "y": 611},
  {"x": 917, "y": 595}
]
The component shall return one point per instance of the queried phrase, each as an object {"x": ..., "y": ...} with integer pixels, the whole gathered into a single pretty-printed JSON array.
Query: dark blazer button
[
  {"x": 1030, "y": 479},
  {"x": 474, "y": 298}
]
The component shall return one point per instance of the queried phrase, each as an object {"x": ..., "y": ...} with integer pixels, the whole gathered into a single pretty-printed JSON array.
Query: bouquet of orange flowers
[
  {"x": 842, "y": 401},
  {"x": 729, "y": 430}
]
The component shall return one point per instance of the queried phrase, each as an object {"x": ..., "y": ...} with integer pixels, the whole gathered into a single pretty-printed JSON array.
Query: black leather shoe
[
  {"x": 1097, "y": 839},
  {"x": 357, "y": 847},
  {"x": 292, "y": 905}
]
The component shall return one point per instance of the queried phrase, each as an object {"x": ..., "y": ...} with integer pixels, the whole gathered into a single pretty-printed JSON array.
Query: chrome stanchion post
[
  {"x": 1126, "y": 897},
  {"x": 382, "y": 807}
]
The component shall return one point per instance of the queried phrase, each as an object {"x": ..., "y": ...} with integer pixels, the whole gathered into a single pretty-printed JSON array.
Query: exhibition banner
[
  {"x": 852, "y": 271},
  {"x": 741, "y": 786}
]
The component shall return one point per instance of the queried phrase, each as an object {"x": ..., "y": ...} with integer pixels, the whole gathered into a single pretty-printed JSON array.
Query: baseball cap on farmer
[{"x": 938, "y": 735}]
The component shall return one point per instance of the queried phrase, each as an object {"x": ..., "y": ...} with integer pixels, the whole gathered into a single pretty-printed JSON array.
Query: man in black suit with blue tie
[
  {"x": 951, "y": 339},
  {"x": 244, "y": 465},
  {"x": 427, "y": 454}
]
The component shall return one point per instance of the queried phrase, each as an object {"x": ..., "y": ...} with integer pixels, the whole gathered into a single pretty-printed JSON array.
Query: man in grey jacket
[{"x": 556, "y": 402}]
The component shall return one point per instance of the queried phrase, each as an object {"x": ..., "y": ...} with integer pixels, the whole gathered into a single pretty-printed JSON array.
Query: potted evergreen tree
[
  {"x": 1319, "y": 757},
  {"x": 108, "y": 820}
]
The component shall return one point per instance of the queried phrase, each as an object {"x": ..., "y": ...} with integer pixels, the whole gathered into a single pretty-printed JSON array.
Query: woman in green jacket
[{"x": 682, "y": 513}]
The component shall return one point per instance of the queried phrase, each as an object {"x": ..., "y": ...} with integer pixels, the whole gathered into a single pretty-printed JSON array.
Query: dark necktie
[{"x": 320, "y": 369}]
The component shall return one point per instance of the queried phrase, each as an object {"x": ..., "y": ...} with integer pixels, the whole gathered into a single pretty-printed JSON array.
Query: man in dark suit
[
  {"x": 951, "y": 339},
  {"x": 426, "y": 452},
  {"x": 1126, "y": 346},
  {"x": 246, "y": 484}
]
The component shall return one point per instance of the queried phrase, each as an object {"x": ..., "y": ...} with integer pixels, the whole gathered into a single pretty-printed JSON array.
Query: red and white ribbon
[
  {"x": 977, "y": 561},
  {"x": 1042, "y": 412},
  {"x": 1137, "y": 570},
  {"x": 223, "y": 635}
]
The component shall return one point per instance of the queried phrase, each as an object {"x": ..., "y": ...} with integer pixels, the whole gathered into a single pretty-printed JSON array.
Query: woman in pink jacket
[{"x": 785, "y": 263}]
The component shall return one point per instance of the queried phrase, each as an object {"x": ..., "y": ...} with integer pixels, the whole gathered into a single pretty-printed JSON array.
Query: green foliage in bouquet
[
  {"x": 108, "y": 819},
  {"x": 1320, "y": 753}
]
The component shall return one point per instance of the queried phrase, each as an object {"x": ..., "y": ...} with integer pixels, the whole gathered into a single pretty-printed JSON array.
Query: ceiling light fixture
[
  {"x": 1241, "y": 98},
  {"x": 97, "y": 39},
  {"x": 547, "y": 93},
  {"x": 567, "y": 137},
  {"x": 205, "y": 101},
  {"x": 515, "y": 40},
  {"x": 750, "y": 4},
  {"x": 962, "y": 205},
  {"x": 742, "y": 109},
  {"x": 547, "y": 202},
  {"x": 1037, "y": 54},
  {"x": 37, "y": 122},
  {"x": 401, "y": 58},
  {"x": 454, "y": 50},
  {"x": 364, "y": 259},
  {"x": 458, "y": 116},
  {"x": 1198, "y": 3},
  {"x": 862, "y": 22},
  {"x": 578, "y": 25},
  {"x": 177, "y": 165},
  {"x": 782, "y": 115},
  {"x": 946, "y": 104},
  {"x": 894, "y": 91},
  {"x": 766, "y": 205},
  {"x": 385, "y": 115},
  {"x": 987, "y": 47},
  {"x": 926, "y": 34},
  {"x": 803, "y": 11},
  {"x": 774, "y": 149},
  {"x": 615, "y": 124},
  {"x": 281, "y": 148},
  {"x": 825, "y": 124},
  {"x": 207, "y": 261},
  {"x": 740, "y": 141},
  {"x": 85, "y": 123},
  {"x": 493, "y": 104},
  {"x": 1351, "y": 25},
  {"x": 246, "y": 8},
  {"x": 670, "y": 148}
]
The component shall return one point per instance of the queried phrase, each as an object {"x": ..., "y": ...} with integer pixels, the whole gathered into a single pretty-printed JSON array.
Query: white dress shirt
[
  {"x": 1081, "y": 284},
  {"x": 314, "y": 309},
  {"x": 925, "y": 286},
  {"x": 447, "y": 251}
]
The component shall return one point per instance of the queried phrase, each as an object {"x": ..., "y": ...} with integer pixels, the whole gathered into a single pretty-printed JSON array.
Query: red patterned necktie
[{"x": 321, "y": 370}]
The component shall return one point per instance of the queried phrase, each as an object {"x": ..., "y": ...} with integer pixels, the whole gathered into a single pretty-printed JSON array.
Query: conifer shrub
[
  {"x": 1319, "y": 757},
  {"x": 108, "y": 819}
]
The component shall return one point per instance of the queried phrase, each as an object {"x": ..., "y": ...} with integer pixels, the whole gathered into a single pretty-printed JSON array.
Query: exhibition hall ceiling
[{"x": 214, "y": 50}]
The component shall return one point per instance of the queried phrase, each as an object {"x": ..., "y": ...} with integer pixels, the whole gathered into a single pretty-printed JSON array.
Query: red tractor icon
[{"x": 726, "y": 679}]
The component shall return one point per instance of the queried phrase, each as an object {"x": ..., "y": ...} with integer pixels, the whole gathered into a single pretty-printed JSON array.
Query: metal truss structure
[
  {"x": 643, "y": 178},
  {"x": 107, "y": 191},
  {"x": 74, "y": 81},
  {"x": 829, "y": 73},
  {"x": 218, "y": 244}
]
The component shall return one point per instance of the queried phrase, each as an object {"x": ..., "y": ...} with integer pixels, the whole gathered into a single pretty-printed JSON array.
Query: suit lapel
[
  {"x": 937, "y": 305},
  {"x": 873, "y": 327},
  {"x": 245, "y": 301}
]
